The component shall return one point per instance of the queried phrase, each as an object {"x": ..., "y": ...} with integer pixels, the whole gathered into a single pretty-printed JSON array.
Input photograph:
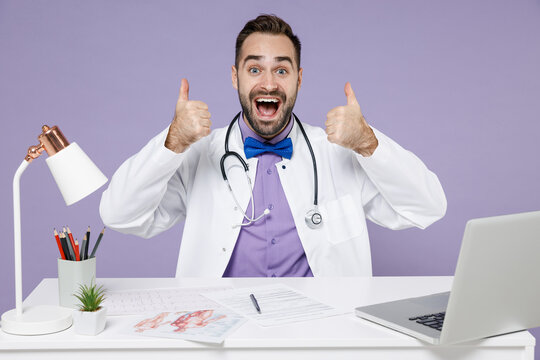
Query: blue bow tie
[{"x": 253, "y": 147}]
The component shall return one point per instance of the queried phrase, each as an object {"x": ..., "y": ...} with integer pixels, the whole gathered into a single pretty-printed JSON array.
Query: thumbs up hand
[
  {"x": 346, "y": 126},
  {"x": 191, "y": 121}
]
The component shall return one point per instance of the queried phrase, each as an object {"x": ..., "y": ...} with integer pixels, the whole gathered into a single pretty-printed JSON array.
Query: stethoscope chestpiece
[{"x": 314, "y": 218}]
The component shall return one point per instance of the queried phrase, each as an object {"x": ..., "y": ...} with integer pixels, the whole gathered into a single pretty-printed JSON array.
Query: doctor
[{"x": 299, "y": 206}]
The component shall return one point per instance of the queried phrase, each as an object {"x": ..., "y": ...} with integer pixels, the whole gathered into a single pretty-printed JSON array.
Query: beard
[{"x": 264, "y": 128}]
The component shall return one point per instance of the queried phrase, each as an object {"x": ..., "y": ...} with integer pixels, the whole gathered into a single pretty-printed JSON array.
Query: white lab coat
[{"x": 157, "y": 188}]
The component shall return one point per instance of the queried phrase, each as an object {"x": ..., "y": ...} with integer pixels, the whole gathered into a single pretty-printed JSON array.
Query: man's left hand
[{"x": 346, "y": 126}]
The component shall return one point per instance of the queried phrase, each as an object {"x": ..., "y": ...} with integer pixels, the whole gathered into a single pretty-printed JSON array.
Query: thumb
[
  {"x": 184, "y": 91},
  {"x": 351, "y": 98}
]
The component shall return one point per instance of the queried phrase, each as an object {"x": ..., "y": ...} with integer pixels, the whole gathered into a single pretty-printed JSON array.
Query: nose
[{"x": 269, "y": 82}]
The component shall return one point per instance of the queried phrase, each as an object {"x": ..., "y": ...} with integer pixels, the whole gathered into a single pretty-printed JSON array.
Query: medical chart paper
[
  {"x": 213, "y": 325},
  {"x": 139, "y": 301},
  {"x": 279, "y": 304}
]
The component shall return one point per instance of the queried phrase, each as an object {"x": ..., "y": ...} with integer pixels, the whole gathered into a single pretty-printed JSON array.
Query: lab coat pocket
[{"x": 344, "y": 220}]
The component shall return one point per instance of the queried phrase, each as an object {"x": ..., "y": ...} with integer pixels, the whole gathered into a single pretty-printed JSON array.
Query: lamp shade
[{"x": 75, "y": 174}]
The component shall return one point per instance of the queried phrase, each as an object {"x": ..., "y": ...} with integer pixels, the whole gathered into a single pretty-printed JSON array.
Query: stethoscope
[{"x": 313, "y": 216}]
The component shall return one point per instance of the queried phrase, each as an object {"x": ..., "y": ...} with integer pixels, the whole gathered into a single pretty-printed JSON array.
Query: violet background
[{"x": 458, "y": 83}]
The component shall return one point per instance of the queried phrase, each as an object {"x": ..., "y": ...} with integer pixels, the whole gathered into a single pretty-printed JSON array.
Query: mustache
[{"x": 275, "y": 93}]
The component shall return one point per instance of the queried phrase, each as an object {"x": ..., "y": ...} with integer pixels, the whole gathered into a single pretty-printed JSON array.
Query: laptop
[{"x": 496, "y": 287}]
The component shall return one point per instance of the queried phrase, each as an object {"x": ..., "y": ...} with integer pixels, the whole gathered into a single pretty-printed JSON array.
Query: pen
[
  {"x": 97, "y": 243},
  {"x": 255, "y": 303}
]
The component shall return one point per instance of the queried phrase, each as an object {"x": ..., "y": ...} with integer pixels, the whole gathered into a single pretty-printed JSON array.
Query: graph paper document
[
  {"x": 139, "y": 301},
  {"x": 279, "y": 304}
]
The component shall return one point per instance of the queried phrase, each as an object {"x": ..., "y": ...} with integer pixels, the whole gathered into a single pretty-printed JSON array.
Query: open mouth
[{"x": 267, "y": 107}]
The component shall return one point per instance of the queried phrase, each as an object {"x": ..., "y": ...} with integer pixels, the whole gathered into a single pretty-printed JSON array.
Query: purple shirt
[{"x": 269, "y": 247}]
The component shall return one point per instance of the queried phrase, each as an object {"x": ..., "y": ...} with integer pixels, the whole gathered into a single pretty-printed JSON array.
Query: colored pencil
[
  {"x": 84, "y": 242},
  {"x": 65, "y": 246},
  {"x": 70, "y": 236},
  {"x": 97, "y": 243},
  {"x": 70, "y": 245},
  {"x": 59, "y": 243},
  {"x": 76, "y": 250},
  {"x": 87, "y": 243}
]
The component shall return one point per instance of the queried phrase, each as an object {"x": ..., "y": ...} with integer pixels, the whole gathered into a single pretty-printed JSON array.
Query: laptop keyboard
[{"x": 434, "y": 321}]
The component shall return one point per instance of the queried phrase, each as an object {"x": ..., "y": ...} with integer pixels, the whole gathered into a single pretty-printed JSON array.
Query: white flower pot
[{"x": 89, "y": 323}]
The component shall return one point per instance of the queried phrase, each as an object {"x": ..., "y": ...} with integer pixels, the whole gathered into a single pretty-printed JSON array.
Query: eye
[
  {"x": 281, "y": 71},
  {"x": 253, "y": 70}
]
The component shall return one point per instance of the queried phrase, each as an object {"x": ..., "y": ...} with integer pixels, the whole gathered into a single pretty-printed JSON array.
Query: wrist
[
  {"x": 175, "y": 144},
  {"x": 368, "y": 146}
]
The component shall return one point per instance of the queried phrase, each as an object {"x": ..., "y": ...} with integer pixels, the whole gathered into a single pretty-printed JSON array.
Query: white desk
[{"x": 339, "y": 337}]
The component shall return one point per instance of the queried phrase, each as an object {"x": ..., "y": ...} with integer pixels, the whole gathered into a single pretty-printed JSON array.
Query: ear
[
  {"x": 234, "y": 77},
  {"x": 300, "y": 78}
]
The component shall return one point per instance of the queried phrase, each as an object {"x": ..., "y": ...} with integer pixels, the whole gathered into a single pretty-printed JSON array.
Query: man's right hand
[{"x": 191, "y": 121}]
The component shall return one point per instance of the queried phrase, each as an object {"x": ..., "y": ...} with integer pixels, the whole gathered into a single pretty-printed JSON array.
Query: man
[{"x": 290, "y": 227}]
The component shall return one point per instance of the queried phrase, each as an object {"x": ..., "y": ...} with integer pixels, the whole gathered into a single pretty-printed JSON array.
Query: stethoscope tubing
[
  {"x": 231, "y": 153},
  {"x": 313, "y": 160}
]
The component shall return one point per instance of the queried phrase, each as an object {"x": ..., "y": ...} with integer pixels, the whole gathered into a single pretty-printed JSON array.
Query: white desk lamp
[{"x": 77, "y": 177}]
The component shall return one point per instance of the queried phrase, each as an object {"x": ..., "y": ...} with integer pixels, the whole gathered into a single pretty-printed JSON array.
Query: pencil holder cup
[{"x": 71, "y": 275}]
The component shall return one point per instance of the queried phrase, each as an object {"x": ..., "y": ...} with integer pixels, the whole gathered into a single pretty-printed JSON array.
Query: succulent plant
[{"x": 90, "y": 297}]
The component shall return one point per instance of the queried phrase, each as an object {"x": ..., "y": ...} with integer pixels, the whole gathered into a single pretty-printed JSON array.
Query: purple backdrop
[{"x": 458, "y": 83}]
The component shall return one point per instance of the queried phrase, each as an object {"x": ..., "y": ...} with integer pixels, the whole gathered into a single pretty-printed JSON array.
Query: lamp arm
[{"x": 17, "y": 235}]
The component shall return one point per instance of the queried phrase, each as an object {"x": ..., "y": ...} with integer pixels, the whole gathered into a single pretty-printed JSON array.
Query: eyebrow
[{"x": 276, "y": 59}]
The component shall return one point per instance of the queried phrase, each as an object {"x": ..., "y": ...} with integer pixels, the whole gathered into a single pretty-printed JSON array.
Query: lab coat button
[
  {"x": 224, "y": 249},
  {"x": 269, "y": 171},
  {"x": 270, "y": 206},
  {"x": 273, "y": 241}
]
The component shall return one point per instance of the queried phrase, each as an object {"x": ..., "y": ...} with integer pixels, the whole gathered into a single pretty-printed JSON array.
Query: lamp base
[{"x": 37, "y": 320}]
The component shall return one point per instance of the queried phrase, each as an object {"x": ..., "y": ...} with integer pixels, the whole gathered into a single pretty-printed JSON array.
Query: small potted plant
[{"x": 91, "y": 316}]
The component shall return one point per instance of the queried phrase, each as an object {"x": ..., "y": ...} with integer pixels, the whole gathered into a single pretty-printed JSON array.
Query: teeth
[{"x": 267, "y": 100}]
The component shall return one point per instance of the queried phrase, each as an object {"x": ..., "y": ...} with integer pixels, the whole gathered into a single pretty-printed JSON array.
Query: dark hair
[{"x": 269, "y": 24}]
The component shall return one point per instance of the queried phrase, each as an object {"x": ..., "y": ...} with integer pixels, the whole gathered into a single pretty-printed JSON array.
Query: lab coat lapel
[{"x": 297, "y": 180}]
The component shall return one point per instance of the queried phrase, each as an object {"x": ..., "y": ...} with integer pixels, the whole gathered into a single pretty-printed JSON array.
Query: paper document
[
  {"x": 279, "y": 304},
  {"x": 212, "y": 325},
  {"x": 139, "y": 301}
]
